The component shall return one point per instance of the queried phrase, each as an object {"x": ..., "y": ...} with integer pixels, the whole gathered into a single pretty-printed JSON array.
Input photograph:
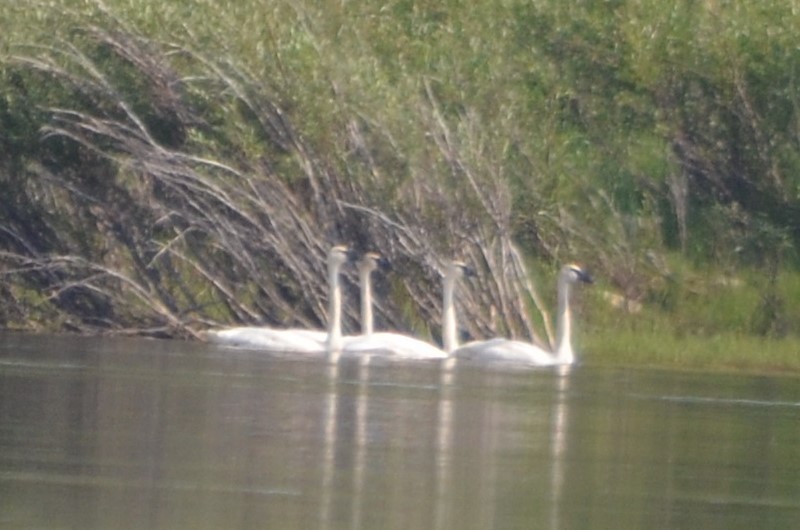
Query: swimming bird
[
  {"x": 297, "y": 340},
  {"x": 369, "y": 263},
  {"x": 383, "y": 343},
  {"x": 455, "y": 271},
  {"x": 502, "y": 349}
]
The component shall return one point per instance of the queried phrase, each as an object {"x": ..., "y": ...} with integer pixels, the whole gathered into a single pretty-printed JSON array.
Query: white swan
[
  {"x": 297, "y": 340},
  {"x": 454, "y": 271},
  {"x": 502, "y": 349},
  {"x": 383, "y": 343},
  {"x": 369, "y": 263}
]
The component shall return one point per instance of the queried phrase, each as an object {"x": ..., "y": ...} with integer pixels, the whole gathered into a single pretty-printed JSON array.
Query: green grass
[
  {"x": 723, "y": 352},
  {"x": 746, "y": 325}
]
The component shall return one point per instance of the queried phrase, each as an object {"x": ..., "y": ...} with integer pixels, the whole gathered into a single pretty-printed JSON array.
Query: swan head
[
  {"x": 372, "y": 261},
  {"x": 458, "y": 269},
  {"x": 573, "y": 273},
  {"x": 340, "y": 254}
]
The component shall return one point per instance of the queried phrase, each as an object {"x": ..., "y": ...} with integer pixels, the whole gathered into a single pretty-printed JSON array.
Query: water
[{"x": 132, "y": 433}]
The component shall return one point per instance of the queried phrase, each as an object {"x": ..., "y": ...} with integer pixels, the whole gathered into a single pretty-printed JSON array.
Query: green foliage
[
  {"x": 726, "y": 352},
  {"x": 702, "y": 319},
  {"x": 642, "y": 137}
]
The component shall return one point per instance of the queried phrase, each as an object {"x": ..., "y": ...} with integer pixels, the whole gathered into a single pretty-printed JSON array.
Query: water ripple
[{"x": 703, "y": 400}]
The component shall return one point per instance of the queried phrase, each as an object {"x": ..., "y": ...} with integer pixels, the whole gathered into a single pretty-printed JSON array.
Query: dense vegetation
[{"x": 165, "y": 166}]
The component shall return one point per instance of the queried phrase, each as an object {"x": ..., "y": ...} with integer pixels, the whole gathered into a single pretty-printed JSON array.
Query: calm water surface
[{"x": 132, "y": 433}]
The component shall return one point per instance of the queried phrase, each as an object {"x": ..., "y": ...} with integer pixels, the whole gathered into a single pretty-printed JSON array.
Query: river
[{"x": 99, "y": 433}]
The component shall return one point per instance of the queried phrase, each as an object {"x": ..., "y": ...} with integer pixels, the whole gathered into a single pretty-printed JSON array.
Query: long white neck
[
  {"x": 564, "y": 353},
  {"x": 449, "y": 326},
  {"x": 334, "y": 309},
  {"x": 366, "y": 301}
]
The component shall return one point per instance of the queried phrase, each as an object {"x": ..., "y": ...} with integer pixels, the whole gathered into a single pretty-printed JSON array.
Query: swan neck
[
  {"x": 366, "y": 302},
  {"x": 564, "y": 353},
  {"x": 334, "y": 309},
  {"x": 449, "y": 326}
]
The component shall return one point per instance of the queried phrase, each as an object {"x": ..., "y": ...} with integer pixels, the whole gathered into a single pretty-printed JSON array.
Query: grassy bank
[
  {"x": 701, "y": 320},
  {"x": 723, "y": 352}
]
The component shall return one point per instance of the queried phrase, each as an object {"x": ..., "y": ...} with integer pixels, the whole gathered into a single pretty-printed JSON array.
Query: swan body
[
  {"x": 501, "y": 349},
  {"x": 383, "y": 343},
  {"x": 296, "y": 340},
  {"x": 393, "y": 345},
  {"x": 288, "y": 340}
]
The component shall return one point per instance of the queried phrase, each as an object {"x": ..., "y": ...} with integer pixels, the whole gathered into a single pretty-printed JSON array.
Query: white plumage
[
  {"x": 383, "y": 343},
  {"x": 296, "y": 340},
  {"x": 502, "y": 349}
]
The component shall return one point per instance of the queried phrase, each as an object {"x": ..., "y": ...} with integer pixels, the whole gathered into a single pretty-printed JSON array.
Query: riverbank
[{"x": 730, "y": 352}]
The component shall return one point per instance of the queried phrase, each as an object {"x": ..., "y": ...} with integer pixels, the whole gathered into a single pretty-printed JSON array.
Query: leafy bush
[{"x": 170, "y": 165}]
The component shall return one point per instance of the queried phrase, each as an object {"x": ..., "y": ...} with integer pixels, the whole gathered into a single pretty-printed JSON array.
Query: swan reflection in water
[
  {"x": 366, "y": 429},
  {"x": 408, "y": 442}
]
